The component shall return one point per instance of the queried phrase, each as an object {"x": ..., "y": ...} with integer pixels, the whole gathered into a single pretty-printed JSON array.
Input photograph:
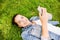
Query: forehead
[{"x": 18, "y": 17}]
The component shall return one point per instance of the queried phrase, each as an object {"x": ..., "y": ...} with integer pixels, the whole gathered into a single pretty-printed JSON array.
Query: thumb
[{"x": 40, "y": 15}]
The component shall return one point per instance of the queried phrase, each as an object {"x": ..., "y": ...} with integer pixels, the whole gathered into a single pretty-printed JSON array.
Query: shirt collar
[{"x": 28, "y": 26}]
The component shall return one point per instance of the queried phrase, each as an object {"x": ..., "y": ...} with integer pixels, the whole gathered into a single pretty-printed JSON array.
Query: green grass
[{"x": 27, "y": 8}]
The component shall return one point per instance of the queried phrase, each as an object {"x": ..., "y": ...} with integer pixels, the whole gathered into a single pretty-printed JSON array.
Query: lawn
[{"x": 27, "y": 8}]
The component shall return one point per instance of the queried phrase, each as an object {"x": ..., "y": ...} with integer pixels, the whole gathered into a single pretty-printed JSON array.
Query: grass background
[{"x": 27, "y": 8}]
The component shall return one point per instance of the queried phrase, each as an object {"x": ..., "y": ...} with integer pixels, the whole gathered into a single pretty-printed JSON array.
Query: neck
[{"x": 28, "y": 23}]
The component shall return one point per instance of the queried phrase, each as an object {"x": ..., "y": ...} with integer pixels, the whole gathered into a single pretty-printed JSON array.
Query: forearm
[{"x": 45, "y": 30}]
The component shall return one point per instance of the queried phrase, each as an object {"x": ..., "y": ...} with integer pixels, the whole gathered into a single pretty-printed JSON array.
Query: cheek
[{"x": 21, "y": 24}]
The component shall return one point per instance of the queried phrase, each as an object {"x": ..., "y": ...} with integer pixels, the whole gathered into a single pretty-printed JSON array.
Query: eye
[{"x": 22, "y": 17}]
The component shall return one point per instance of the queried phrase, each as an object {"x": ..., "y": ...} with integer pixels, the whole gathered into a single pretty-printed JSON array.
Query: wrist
[{"x": 44, "y": 23}]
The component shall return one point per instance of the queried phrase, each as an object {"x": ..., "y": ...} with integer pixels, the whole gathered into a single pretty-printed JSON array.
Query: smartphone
[{"x": 40, "y": 10}]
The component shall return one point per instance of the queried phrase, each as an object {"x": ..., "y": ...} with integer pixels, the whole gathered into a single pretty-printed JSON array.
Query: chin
[{"x": 24, "y": 25}]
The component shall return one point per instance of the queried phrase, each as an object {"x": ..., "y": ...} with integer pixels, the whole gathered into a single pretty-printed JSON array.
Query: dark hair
[{"x": 13, "y": 20}]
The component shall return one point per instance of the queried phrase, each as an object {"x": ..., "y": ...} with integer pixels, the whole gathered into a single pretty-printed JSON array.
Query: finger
[
  {"x": 40, "y": 15},
  {"x": 43, "y": 10}
]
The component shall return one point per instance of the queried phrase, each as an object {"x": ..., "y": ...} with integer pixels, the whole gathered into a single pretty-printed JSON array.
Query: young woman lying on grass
[{"x": 32, "y": 31}]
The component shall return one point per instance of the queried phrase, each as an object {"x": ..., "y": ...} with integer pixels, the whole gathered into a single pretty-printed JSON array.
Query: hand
[{"x": 43, "y": 17}]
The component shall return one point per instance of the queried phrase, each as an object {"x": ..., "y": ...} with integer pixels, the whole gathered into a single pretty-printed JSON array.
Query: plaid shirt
[{"x": 32, "y": 32}]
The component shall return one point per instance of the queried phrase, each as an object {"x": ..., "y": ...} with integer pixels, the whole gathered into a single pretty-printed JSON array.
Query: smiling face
[{"x": 21, "y": 21}]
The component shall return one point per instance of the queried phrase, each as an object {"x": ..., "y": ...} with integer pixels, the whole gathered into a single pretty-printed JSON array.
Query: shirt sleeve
[{"x": 43, "y": 38}]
